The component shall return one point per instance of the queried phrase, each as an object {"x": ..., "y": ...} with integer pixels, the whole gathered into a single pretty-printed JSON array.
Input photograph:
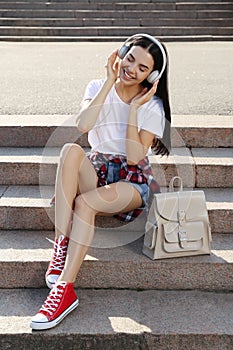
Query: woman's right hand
[
  {"x": 112, "y": 66},
  {"x": 145, "y": 95}
]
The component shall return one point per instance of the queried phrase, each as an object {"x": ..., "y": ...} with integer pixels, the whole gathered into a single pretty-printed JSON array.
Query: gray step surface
[
  {"x": 116, "y": 1},
  {"x": 113, "y": 320},
  {"x": 112, "y": 38},
  {"x": 75, "y": 14},
  {"x": 90, "y": 22},
  {"x": 112, "y": 262},
  {"x": 34, "y": 166},
  {"x": 56, "y": 130},
  {"x": 204, "y": 27},
  {"x": 28, "y": 208},
  {"x": 157, "y": 31},
  {"x": 120, "y": 5}
]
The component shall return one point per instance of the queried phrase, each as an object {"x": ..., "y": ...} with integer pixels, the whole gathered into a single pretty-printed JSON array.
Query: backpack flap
[
  {"x": 192, "y": 203},
  {"x": 188, "y": 236}
]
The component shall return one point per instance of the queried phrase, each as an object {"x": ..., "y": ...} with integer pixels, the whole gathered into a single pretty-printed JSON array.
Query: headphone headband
[{"x": 122, "y": 52}]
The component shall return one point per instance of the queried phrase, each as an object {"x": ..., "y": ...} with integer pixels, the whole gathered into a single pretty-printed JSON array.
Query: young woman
[{"x": 125, "y": 114}]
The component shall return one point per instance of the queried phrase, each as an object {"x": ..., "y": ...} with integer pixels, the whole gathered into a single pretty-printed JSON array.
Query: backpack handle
[{"x": 171, "y": 184}]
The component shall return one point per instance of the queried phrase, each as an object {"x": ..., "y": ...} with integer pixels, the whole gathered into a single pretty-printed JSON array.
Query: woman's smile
[{"x": 127, "y": 75}]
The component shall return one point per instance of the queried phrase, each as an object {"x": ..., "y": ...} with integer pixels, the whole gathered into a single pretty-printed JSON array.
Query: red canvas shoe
[
  {"x": 58, "y": 260},
  {"x": 59, "y": 303}
]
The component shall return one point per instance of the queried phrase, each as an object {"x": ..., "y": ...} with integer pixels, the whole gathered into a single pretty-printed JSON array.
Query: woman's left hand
[{"x": 145, "y": 95}]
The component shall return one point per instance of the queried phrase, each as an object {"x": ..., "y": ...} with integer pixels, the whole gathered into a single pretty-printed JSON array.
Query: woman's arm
[
  {"x": 90, "y": 111},
  {"x": 138, "y": 143}
]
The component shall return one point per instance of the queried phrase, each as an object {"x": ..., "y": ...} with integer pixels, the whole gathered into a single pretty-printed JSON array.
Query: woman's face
[{"x": 136, "y": 66}]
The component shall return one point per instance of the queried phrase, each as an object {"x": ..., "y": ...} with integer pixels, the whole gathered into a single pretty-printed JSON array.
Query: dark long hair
[{"x": 159, "y": 146}]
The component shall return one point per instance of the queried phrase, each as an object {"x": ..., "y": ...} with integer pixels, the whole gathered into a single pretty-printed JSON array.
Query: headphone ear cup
[
  {"x": 153, "y": 77},
  {"x": 123, "y": 51}
]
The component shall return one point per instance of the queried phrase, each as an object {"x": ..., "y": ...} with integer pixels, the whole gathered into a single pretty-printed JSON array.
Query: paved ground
[{"x": 50, "y": 78}]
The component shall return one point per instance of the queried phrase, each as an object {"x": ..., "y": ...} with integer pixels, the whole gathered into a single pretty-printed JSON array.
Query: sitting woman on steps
[{"x": 124, "y": 115}]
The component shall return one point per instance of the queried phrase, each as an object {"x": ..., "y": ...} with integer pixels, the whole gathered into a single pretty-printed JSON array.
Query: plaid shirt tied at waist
[{"x": 140, "y": 174}]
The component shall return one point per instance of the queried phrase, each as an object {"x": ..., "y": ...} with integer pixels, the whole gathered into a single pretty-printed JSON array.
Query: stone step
[
  {"x": 188, "y": 130},
  {"x": 122, "y": 319},
  {"x": 112, "y": 38},
  {"x": 28, "y": 208},
  {"x": 115, "y": 1},
  {"x": 56, "y": 130},
  {"x": 114, "y": 31},
  {"x": 97, "y": 5},
  {"x": 90, "y": 22},
  {"x": 211, "y": 162},
  {"x": 89, "y": 29},
  {"x": 35, "y": 166},
  {"x": 120, "y": 5},
  {"x": 196, "y": 168},
  {"x": 186, "y": 5},
  {"x": 25, "y": 257},
  {"x": 39, "y": 131},
  {"x": 72, "y": 14},
  {"x": 98, "y": 21}
]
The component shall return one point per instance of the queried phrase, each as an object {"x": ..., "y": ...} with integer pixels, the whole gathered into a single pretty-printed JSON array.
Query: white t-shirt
[{"x": 109, "y": 132}]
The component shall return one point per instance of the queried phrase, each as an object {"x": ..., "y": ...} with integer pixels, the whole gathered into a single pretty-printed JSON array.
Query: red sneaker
[
  {"x": 59, "y": 303},
  {"x": 58, "y": 260}
]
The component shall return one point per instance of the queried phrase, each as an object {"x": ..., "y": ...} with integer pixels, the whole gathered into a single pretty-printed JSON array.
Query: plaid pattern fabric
[{"x": 140, "y": 174}]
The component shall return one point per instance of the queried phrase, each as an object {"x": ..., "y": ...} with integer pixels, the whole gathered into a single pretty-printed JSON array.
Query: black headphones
[{"x": 155, "y": 75}]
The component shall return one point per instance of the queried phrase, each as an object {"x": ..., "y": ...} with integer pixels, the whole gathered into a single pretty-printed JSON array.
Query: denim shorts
[{"x": 113, "y": 176}]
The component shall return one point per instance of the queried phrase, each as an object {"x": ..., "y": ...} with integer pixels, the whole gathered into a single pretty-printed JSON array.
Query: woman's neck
[{"x": 127, "y": 93}]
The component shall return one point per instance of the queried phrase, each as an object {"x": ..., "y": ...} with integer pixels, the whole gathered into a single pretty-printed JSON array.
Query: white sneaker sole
[{"x": 50, "y": 324}]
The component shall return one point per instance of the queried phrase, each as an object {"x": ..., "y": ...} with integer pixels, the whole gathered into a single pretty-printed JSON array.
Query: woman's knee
[
  {"x": 82, "y": 205},
  {"x": 71, "y": 152}
]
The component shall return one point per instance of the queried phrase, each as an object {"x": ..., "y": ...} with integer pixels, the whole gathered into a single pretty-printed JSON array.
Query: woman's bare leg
[
  {"x": 75, "y": 174},
  {"x": 110, "y": 199}
]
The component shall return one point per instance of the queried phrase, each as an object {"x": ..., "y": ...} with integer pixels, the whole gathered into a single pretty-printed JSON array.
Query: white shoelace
[
  {"x": 52, "y": 302},
  {"x": 58, "y": 260}
]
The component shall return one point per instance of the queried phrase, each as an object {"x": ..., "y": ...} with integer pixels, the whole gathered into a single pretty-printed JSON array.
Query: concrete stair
[
  {"x": 70, "y": 20},
  {"x": 39, "y": 166},
  {"x": 123, "y": 319},
  {"x": 127, "y": 301},
  {"x": 25, "y": 256},
  {"x": 23, "y": 207}
]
